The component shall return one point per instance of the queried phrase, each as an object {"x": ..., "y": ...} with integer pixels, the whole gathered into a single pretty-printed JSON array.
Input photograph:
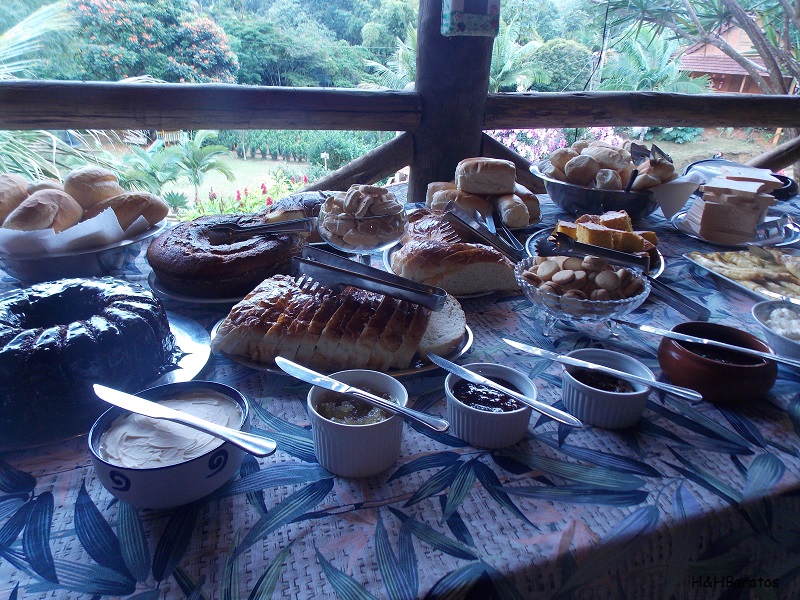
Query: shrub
[{"x": 677, "y": 135}]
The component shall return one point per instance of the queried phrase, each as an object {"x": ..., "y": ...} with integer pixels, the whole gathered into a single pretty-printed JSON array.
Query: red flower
[
  {"x": 305, "y": 178},
  {"x": 238, "y": 195},
  {"x": 293, "y": 179}
]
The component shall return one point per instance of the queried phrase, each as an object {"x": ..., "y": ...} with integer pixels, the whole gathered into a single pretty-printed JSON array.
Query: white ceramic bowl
[
  {"x": 358, "y": 450},
  {"x": 484, "y": 429},
  {"x": 780, "y": 343},
  {"x": 177, "y": 484},
  {"x": 611, "y": 410}
]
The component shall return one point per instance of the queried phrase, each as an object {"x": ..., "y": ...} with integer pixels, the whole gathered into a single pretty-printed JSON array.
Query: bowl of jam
[
  {"x": 604, "y": 400},
  {"x": 483, "y": 416},
  {"x": 721, "y": 376}
]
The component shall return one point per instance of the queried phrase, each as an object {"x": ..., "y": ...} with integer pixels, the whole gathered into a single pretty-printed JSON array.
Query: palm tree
[
  {"x": 20, "y": 44},
  {"x": 647, "y": 62},
  {"x": 195, "y": 160},
  {"x": 149, "y": 170},
  {"x": 511, "y": 67},
  {"x": 400, "y": 72}
]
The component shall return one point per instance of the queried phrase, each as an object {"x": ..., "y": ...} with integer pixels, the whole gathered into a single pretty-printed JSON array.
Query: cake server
[
  {"x": 537, "y": 405},
  {"x": 222, "y": 232},
  {"x": 249, "y": 442},
  {"x": 576, "y": 362},
  {"x": 708, "y": 342},
  {"x": 320, "y": 380}
]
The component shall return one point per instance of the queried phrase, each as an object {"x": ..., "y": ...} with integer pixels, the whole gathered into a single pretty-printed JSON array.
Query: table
[{"x": 695, "y": 501}]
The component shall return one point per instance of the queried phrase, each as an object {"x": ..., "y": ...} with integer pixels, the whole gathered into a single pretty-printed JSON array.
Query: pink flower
[
  {"x": 293, "y": 179},
  {"x": 305, "y": 178},
  {"x": 238, "y": 195}
]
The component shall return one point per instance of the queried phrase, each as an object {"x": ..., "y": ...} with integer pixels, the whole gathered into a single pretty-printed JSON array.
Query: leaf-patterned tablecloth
[{"x": 695, "y": 501}]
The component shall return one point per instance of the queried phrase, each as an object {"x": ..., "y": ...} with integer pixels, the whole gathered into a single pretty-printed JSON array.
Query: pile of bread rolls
[
  {"x": 85, "y": 193},
  {"x": 486, "y": 185},
  {"x": 600, "y": 165}
]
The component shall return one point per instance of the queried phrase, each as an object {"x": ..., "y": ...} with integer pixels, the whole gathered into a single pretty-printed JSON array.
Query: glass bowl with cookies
[{"x": 580, "y": 289}]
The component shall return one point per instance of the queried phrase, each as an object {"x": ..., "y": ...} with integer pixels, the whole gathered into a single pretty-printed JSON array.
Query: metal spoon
[
  {"x": 574, "y": 362},
  {"x": 249, "y": 442}
]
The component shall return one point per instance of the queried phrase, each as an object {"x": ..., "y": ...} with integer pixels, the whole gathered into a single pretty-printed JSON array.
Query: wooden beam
[
  {"x": 26, "y": 104},
  {"x": 779, "y": 157},
  {"x": 383, "y": 161},
  {"x": 452, "y": 81},
  {"x": 638, "y": 109}
]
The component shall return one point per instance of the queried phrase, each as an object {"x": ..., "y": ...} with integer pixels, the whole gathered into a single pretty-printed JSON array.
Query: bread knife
[{"x": 537, "y": 405}]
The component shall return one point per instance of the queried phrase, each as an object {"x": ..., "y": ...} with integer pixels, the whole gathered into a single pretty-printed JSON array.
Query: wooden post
[{"x": 452, "y": 81}]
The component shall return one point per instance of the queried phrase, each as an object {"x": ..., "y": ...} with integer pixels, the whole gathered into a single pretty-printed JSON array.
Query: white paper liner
[
  {"x": 97, "y": 232},
  {"x": 673, "y": 195}
]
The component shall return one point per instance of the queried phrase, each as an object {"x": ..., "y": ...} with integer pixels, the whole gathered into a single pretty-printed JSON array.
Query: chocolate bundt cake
[{"x": 58, "y": 338}]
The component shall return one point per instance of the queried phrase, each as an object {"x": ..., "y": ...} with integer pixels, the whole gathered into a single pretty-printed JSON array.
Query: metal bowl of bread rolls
[
  {"x": 85, "y": 226},
  {"x": 596, "y": 176}
]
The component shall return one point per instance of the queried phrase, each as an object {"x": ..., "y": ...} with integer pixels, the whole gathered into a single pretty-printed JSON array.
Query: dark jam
[
  {"x": 602, "y": 381},
  {"x": 483, "y": 397},
  {"x": 728, "y": 357}
]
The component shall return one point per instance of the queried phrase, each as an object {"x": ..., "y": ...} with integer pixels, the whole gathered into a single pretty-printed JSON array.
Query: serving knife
[
  {"x": 537, "y": 405},
  {"x": 249, "y": 442},
  {"x": 320, "y": 380},
  {"x": 576, "y": 362},
  {"x": 708, "y": 342}
]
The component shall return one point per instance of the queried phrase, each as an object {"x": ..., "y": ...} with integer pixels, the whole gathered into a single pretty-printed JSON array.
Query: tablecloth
[{"x": 695, "y": 501}]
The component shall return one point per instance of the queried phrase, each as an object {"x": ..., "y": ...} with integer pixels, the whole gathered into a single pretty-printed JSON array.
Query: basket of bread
[
  {"x": 83, "y": 227},
  {"x": 596, "y": 176}
]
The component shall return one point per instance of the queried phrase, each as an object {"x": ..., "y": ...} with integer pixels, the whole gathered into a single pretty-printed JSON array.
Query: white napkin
[
  {"x": 673, "y": 195},
  {"x": 99, "y": 231}
]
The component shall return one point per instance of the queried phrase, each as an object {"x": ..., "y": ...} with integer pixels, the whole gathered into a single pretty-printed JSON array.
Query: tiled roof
[{"x": 711, "y": 63}]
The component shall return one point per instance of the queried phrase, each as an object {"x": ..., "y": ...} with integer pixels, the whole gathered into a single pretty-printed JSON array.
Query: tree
[
  {"x": 646, "y": 63},
  {"x": 568, "y": 63},
  {"x": 400, "y": 70},
  {"x": 21, "y": 44},
  {"x": 772, "y": 25},
  {"x": 162, "y": 39},
  {"x": 149, "y": 170},
  {"x": 512, "y": 67},
  {"x": 195, "y": 159}
]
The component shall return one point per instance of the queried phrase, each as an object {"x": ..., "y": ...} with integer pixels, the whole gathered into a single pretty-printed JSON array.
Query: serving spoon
[{"x": 249, "y": 442}]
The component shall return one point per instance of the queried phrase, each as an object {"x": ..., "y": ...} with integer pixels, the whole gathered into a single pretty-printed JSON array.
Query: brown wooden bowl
[{"x": 721, "y": 376}]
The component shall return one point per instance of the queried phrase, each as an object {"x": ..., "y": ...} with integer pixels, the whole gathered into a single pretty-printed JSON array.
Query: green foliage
[
  {"x": 21, "y": 44},
  {"x": 149, "y": 170},
  {"x": 195, "y": 158},
  {"x": 161, "y": 39},
  {"x": 176, "y": 200},
  {"x": 512, "y": 67},
  {"x": 678, "y": 135},
  {"x": 568, "y": 63}
]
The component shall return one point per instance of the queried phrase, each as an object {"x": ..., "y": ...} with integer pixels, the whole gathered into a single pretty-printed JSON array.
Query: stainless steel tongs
[
  {"x": 560, "y": 244},
  {"x": 334, "y": 271},
  {"x": 222, "y": 232},
  {"x": 465, "y": 223}
]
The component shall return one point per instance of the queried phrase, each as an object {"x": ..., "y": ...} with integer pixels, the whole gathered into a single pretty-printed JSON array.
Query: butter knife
[
  {"x": 249, "y": 442},
  {"x": 320, "y": 380},
  {"x": 708, "y": 342},
  {"x": 576, "y": 362},
  {"x": 537, "y": 405}
]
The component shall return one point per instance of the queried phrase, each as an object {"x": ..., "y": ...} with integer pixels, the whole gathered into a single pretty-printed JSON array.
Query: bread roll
[
  {"x": 13, "y": 190},
  {"x": 45, "y": 209},
  {"x": 582, "y": 170},
  {"x": 643, "y": 182},
  {"x": 607, "y": 179},
  {"x": 608, "y": 157},
  {"x": 559, "y": 158},
  {"x": 512, "y": 210},
  {"x": 91, "y": 184},
  {"x": 44, "y": 184},
  {"x": 130, "y": 206},
  {"x": 531, "y": 202},
  {"x": 436, "y": 186},
  {"x": 548, "y": 169},
  {"x": 486, "y": 176},
  {"x": 469, "y": 202}
]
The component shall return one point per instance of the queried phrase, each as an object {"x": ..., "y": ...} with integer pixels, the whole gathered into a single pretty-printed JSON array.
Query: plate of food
[
  {"x": 778, "y": 230},
  {"x": 657, "y": 262},
  {"x": 768, "y": 272},
  {"x": 417, "y": 366}
]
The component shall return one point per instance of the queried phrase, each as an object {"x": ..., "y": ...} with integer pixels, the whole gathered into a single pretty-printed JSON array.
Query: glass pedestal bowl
[
  {"x": 575, "y": 310},
  {"x": 362, "y": 236}
]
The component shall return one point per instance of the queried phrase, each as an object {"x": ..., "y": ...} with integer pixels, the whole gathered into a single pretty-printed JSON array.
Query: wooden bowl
[{"x": 721, "y": 376}]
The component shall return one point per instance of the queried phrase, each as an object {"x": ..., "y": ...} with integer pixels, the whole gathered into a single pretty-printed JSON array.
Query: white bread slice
[
  {"x": 723, "y": 223},
  {"x": 305, "y": 350},
  {"x": 765, "y": 176},
  {"x": 721, "y": 185},
  {"x": 445, "y": 329},
  {"x": 332, "y": 333}
]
